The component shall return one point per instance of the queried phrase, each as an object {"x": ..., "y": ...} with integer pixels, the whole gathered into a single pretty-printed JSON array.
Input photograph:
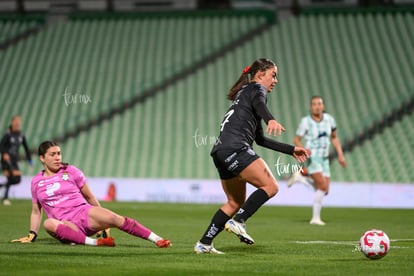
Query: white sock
[
  {"x": 317, "y": 204},
  {"x": 154, "y": 237},
  {"x": 90, "y": 241}
]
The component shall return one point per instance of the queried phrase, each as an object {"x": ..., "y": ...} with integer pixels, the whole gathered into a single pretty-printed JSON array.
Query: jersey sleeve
[
  {"x": 259, "y": 104},
  {"x": 4, "y": 143},
  {"x": 302, "y": 128},
  {"x": 261, "y": 140},
  {"x": 26, "y": 149},
  {"x": 33, "y": 191},
  {"x": 80, "y": 179},
  {"x": 332, "y": 122}
]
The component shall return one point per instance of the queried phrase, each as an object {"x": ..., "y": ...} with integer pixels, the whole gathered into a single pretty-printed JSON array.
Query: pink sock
[
  {"x": 133, "y": 227},
  {"x": 66, "y": 234}
]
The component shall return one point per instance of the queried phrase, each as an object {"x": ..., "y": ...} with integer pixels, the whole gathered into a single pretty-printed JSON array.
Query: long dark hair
[
  {"x": 261, "y": 64},
  {"x": 44, "y": 146}
]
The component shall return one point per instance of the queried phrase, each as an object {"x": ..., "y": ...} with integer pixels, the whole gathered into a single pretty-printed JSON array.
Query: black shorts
[
  {"x": 231, "y": 163},
  {"x": 10, "y": 165}
]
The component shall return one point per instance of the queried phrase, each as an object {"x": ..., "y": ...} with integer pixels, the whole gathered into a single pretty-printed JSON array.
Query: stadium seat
[{"x": 356, "y": 62}]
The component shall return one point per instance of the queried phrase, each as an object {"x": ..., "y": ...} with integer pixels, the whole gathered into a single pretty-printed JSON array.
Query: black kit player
[
  {"x": 9, "y": 149},
  {"x": 235, "y": 159}
]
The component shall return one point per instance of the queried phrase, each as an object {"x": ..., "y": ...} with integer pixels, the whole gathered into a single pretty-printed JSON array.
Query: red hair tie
[{"x": 246, "y": 69}]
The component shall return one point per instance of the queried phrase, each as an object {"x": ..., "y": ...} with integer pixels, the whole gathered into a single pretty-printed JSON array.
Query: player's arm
[
  {"x": 300, "y": 133},
  {"x": 297, "y": 141},
  {"x": 35, "y": 220},
  {"x": 27, "y": 151},
  {"x": 4, "y": 148},
  {"x": 273, "y": 126},
  {"x": 35, "y": 217},
  {"x": 299, "y": 153},
  {"x": 338, "y": 148},
  {"x": 263, "y": 141},
  {"x": 89, "y": 196}
]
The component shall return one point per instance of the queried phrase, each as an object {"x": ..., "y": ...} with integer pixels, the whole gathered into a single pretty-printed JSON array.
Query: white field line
[
  {"x": 355, "y": 243},
  {"x": 328, "y": 242},
  {"x": 402, "y": 240}
]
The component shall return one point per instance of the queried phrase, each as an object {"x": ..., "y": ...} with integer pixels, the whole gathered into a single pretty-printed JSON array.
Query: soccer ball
[{"x": 374, "y": 244}]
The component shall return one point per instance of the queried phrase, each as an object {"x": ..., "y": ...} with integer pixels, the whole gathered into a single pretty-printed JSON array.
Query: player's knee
[
  {"x": 324, "y": 187},
  {"x": 14, "y": 179},
  {"x": 115, "y": 220},
  {"x": 50, "y": 225},
  {"x": 273, "y": 190}
]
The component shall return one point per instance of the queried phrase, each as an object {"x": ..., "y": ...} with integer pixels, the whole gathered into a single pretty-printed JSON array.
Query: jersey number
[{"x": 226, "y": 119}]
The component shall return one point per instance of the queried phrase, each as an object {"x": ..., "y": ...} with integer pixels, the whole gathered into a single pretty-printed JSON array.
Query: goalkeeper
[{"x": 74, "y": 214}]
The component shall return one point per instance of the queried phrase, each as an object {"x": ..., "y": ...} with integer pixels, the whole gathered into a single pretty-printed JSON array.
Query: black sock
[
  {"x": 252, "y": 204},
  {"x": 11, "y": 180},
  {"x": 6, "y": 192},
  {"x": 216, "y": 226}
]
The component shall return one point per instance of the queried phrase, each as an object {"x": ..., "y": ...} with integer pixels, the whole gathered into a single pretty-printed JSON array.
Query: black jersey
[
  {"x": 11, "y": 142},
  {"x": 242, "y": 122}
]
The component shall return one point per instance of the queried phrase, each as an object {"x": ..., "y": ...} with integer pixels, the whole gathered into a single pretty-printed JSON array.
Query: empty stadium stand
[{"x": 359, "y": 63}]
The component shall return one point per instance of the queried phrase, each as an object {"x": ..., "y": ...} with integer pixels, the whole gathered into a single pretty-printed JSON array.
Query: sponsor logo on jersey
[{"x": 322, "y": 134}]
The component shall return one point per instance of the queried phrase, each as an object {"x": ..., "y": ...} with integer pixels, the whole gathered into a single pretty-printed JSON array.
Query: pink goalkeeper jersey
[{"x": 59, "y": 195}]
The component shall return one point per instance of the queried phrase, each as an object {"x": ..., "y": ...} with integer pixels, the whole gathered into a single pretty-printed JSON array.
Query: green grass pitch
[{"x": 285, "y": 244}]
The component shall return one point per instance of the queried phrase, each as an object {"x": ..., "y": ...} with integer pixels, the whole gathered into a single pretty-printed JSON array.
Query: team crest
[{"x": 65, "y": 176}]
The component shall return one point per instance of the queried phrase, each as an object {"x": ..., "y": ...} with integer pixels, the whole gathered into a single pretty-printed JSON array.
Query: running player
[
  {"x": 73, "y": 212},
  {"x": 9, "y": 148},
  {"x": 235, "y": 159},
  {"x": 318, "y": 129}
]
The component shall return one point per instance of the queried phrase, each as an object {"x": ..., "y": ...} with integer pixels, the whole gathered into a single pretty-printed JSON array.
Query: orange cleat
[
  {"x": 163, "y": 243},
  {"x": 106, "y": 242}
]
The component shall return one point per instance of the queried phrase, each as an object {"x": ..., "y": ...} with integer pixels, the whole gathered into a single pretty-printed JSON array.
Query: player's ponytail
[{"x": 248, "y": 74}]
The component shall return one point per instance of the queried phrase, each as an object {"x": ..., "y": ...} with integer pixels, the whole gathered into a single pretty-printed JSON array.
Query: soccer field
[{"x": 285, "y": 244}]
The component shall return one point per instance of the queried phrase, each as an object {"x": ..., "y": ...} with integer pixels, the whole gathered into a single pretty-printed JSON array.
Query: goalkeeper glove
[
  {"x": 103, "y": 233},
  {"x": 31, "y": 237}
]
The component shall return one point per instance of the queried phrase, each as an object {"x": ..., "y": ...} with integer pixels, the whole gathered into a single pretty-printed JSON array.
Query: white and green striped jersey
[{"x": 317, "y": 134}]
